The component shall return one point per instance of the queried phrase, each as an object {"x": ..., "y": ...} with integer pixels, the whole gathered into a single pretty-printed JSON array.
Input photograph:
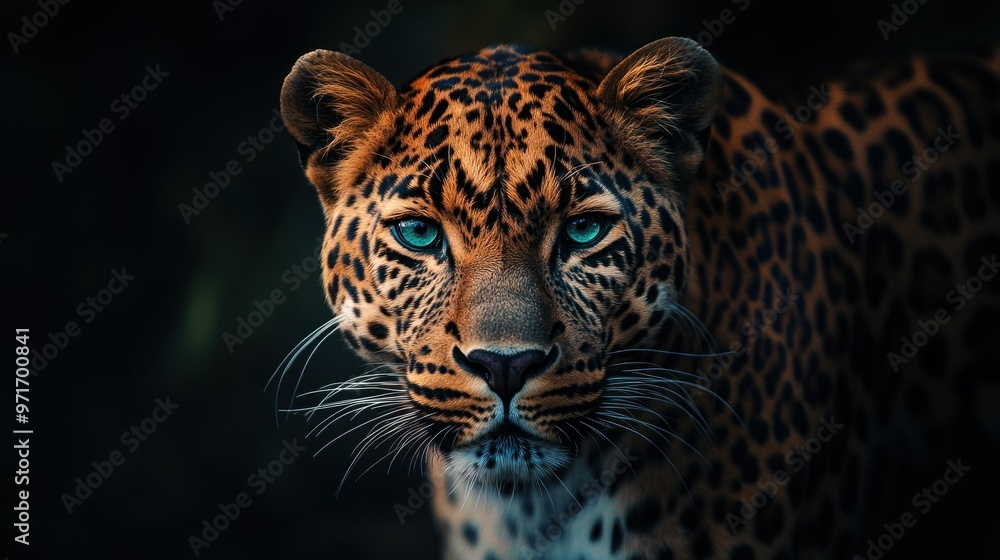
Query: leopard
[{"x": 639, "y": 307}]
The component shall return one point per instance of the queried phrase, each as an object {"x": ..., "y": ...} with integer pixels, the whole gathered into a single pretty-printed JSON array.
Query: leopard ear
[
  {"x": 329, "y": 101},
  {"x": 663, "y": 99}
]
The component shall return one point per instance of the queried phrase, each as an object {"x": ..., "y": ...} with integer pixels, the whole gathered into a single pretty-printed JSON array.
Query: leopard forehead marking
[{"x": 488, "y": 141}]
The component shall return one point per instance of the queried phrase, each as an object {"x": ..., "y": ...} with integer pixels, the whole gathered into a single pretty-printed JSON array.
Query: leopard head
[{"x": 497, "y": 227}]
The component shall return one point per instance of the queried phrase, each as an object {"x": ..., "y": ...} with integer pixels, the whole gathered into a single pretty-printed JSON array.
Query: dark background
[{"x": 162, "y": 336}]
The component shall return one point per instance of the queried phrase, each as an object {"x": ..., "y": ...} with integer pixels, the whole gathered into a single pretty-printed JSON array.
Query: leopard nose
[{"x": 505, "y": 372}]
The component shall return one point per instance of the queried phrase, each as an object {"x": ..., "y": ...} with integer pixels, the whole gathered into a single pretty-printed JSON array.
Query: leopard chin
[{"x": 507, "y": 455}]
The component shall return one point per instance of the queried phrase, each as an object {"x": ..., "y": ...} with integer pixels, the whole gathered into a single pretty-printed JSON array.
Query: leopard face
[{"x": 498, "y": 228}]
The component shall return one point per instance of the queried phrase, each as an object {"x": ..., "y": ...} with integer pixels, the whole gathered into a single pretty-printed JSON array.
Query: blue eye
[
  {"x": 416, "y": 234},
  {"x": 585, "y": 231}
]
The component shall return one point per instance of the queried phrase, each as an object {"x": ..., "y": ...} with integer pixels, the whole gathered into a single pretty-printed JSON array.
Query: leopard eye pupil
[{"x": 417, "y": 234}]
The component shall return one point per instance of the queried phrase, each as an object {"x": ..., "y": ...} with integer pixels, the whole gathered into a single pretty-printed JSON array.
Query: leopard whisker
[
  {"x": 671, "y": 352},
  {"x": 576, "y": 170},
  {"x": 650, "y": 378},
  {"x": 385, "y": 382},
  {"x": 294, "y": 352},
  {"x": 302, "y": 373},
  {"x": 318, "y": 430},
  {"x": 348, "y": 405},
  {"x": 669, "y": 462},
  {"x": 415, "y": 449},
  {"x": 351, "y": 407},
  {"x": 387, "y": 387},
  {"x": 661, "y": 386},
  {"x": 659, "y": 429},
  {"x": 353, "y": 412},
  {"x": 403, "y": 438},
  {"x": 632, "y": 430},
  {"x": 651, "y": 366},
  {"x": 332, "y": 325},
  {"x": 379, "y": 432},
  {"x": 703, "y": 335},
  {"x": 595, "y": 430}
]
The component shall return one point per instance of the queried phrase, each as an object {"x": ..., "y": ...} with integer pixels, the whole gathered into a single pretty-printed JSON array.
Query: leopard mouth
[
  {"x": 509, "y": 438},
  {"x": 509, "y": 454}
]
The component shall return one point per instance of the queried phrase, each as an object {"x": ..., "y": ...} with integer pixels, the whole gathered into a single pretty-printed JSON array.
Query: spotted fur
[{"x": 725, "y": 338}]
